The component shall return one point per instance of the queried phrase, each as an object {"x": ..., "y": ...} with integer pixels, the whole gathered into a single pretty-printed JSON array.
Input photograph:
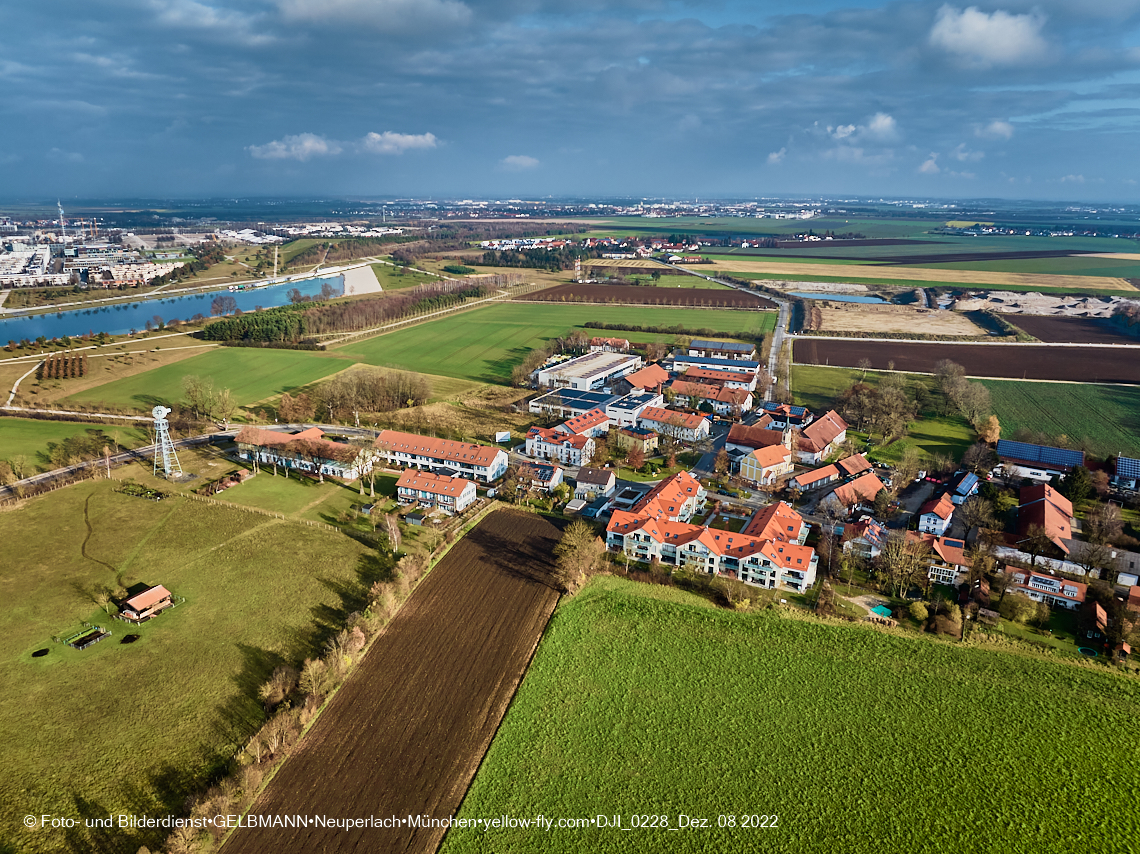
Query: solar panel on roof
[
  {"x": 1039, "y": 453},
  {"x": 1128, "y": 468}
]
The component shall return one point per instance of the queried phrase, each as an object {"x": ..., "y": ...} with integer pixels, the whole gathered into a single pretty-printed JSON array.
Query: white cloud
[
  {"x": 995, "y": 130},
  {"x": 930, "y": 166},
  {"x": 300, "y": 146},
  {"x": 984, "y": 40},
  {"x": 843, "y": 131},
  {"x": 518, "y": 162},
  {"x": 396, "y": 143},
  {"x": 1073, "y": 179},
  {"x": 965, "y": 155},
  {"x": 882, "y": 126},
  {"x": 777, "y": 156},
  {"x": 382, "y": 15}
]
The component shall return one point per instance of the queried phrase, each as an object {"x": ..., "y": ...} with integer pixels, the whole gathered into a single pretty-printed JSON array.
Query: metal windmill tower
[{"x": 163, "y": 446}]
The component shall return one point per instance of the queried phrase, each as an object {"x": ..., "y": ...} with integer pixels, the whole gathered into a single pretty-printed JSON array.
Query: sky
[{"x": 530, "y": 98}]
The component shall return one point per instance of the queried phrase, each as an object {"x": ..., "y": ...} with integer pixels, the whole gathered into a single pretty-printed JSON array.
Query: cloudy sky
[{"x": 527, "y": 98}]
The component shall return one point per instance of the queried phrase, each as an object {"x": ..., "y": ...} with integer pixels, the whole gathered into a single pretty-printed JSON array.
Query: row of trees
[
  {"x": 348, "y": 250},
  {"x": 206, "y": 402},
  {"x": 62, "y": 366}
]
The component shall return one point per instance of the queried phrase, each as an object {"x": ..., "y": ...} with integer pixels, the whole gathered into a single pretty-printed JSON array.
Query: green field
[
  {"x": 818, "y": 388},
  {"x": 858, "y": 740},
  {"x": 391, "y": 280},
  {"x": 485, "y": 344},
  {"x": 135, "y": 728},
  {"x": 303, "y": 498},
  {"x": 1076, "y": 265},
  {"x": 252, "y": 374},
  {"x": 1103, "y": 419},
  {"x": 30, "y": 437}
]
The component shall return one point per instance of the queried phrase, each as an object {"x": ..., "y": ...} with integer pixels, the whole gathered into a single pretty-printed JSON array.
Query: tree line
[
  {"x": 348, "y": 250},
  {"x": 62, "y": 366},
  {"x": 363, "y": 390}
]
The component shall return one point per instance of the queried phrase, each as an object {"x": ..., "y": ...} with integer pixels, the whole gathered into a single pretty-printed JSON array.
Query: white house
[
  {"x": 934, "y": 515},
  {"x": 594, "y": 483},
  {"x": 625, "y": 411},
  {"x": 765, "y": 466},
  {"x": 479, "y": 462},
  {"x": 1049, "y": 589},
  {"x": 568, "y": 449},
  {"x": 678, "y": 425},
  {"x": 450, "y": 494}
]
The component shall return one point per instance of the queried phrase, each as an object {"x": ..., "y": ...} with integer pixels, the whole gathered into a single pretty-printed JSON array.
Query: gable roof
[
  {"x": 775, "y": 522},
  {"x": 585, "y": 421},
  {"x": 651, "y": 376},
  {"x": 440, "y": 449},
  {"x": 854, "y": 465},
  {"x": 436, "y": 484},
  {"x": 950, "y": 550},
  {"x": 809, "y": 477},
  {"x": 942, "y": 507},
  {"x": 669, "y": 495},
  {"x": 863, "y": 488},
  {"x": 147, "y": 599},
  {"x": 754, "y": 436},
  {"x": 1061, "y": 459},
  {"x": 726, "y": 346},
  {"x": 824, "y": 430},
  {"x": 662, "y": 416},
  {"x": 773, "y": 455},
  {"x": 695, "y": 374},
  {"x": 599, "y": 477},
  {"x": 1042, "y": 505},
  {"x": 706, "y": 391}
]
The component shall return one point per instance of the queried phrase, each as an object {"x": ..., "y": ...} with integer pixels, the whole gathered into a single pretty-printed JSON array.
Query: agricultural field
[
  {"x": 29, "y": 437},
  {"x": 635, "y": 706},
  {"x": 908, "y": 275},
  {"x": 649, "y": 295},
  {"x": 407, "y": 731},
  {"x": 1073, "y": 330},
  {"x": 871, "y": 317},
  {"x": 483, "y": 345},
  {"x": 1101, "y": 418},
  {"x": 392, "y": 279},
  {"x": 251, "y": 374},
  {"x": 1000, "y": 361},
  {"x": 186, "y": 688},
  {"x": 1072, "y": 265}
]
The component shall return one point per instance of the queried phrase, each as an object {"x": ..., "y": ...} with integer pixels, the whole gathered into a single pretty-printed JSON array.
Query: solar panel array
[
  {"x": 1040, "y": 454},
  {"x": 1128, "y": 468},
  {"x": 772, "y": 406}
]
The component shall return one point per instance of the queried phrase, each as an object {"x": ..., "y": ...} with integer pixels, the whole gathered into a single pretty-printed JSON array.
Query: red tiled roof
[
  {"x": 650, "y": 376},
  {"x": 440, "y": 449},
  {"x": 586, "y": 421},
  {"x": 147, "y": 599},
  {"x": 772, "y": 455},
  {"x": 702, "y": 391},
  {"x": 663, "y": 416},
  {"x": 436, "y": 484},
  {"x": 775, "y": 522},
  {"x": 854, "y": 465},
  {"x": 942, "y": 507},
  {"x": 669, "y": 495},
  {"x": 863, "y": 488},
  {"x": 754, "y": 437},
  {"x": 695, "y": 374},
  {"x": 809, "y": 477},
  {"x": 823, "y": 431},
  {"x": 1042, "y": 505}
]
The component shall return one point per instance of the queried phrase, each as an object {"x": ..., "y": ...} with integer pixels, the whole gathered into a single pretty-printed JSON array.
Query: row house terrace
[
  {"x": 478, "y": 462},
  {"x": 450, "y": 494}
]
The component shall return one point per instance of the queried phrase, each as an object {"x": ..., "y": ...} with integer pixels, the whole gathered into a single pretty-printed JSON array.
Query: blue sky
[{"x": 525, "y": 98}]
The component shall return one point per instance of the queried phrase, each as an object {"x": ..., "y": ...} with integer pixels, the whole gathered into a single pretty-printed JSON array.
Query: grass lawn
[
  {"x": 392, "y": 280},
  {"x": 1104, "y": 419},
  {"x": 259, "y": 592},
  {"x": 640, "y": 707},
  {"x": 252, "y": 375},
  {"x": 303, "y": 498},
  {"x": 29, "y": 437},
  {"x": 486, "y": 343}
]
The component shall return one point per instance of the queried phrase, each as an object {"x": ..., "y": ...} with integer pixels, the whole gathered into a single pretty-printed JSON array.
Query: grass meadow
[
  {"x": 252, "y": 374},
  {"x": 135, "y": 728},
  {"x": 1104, "y": 419},
  {"x": 30, "y": 437},
  {"x": 818, "y": 388},
  {"x": 858, "y": 740},
  {"x": 485, "y": 344}
]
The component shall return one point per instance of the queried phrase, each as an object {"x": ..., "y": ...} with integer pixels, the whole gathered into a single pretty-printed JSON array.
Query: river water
[{"x": 121, "y": 318}]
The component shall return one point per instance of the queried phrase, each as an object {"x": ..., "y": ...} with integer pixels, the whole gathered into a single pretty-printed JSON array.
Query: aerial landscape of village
[{"x": 396, "y": 491}]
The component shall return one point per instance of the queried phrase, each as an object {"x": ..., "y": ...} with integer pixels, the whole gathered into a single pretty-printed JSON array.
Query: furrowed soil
[
  {"x": 1073, "y": 330},
  {"x": 861, "y": 317},
  {"x": 406, "y": 733},
  {"x": 639, "y": 295},
  {"x": 1001, "y": 361}
]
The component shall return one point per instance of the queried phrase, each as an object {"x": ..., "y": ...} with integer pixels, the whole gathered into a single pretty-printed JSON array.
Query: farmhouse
[
  {"x": 675, "y": 425},
  {"x": 722, "y": 349},
  {"x": 479, "y": 462},
  {"x": 854, "y": 465},
  {"x": 143, "y": 606},
  {"x": 718, "y": 398},
  {"x": 566, "y": 402},
  {"x": 450, "y": 494},
  {"x": 609, "y": 345},
  {"x": 1037, "y": 462},
  {"x": 743, "y": 437},
  {"x": 1042, "y": 507},
  {"x": 650, "y": 378},
  {"x": 934, "y": 515},
  {"x": 820, "y": 437},
  {"x": 1049, "y": 589},
  {"x": 594, "y": 483},
  {"x": 947, "y": 558},
  {"x": 590, "y": 372},
  {"x": 764, "y": 466},
  {"x": 630, "y": 437},
  {"x": 624, "y": 411},
  {"x": 861, "y": 490},
  {"x": 568, "y": 449},
  {"x": 306, "y": 451}
]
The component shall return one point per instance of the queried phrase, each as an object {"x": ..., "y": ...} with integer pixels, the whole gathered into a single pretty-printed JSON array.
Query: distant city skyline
[{"x": 530, "y": 98}]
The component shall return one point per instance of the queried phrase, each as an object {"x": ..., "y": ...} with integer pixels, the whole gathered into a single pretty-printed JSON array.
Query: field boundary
[{"x": 974, "y": 343}]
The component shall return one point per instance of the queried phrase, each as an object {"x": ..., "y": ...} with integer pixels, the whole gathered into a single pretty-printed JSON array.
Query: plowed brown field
[
  {"x": 406, "y": 733},
  {"x": 1072, "y": 330},
  {"x": 1001, "y": 361},
  {"x": 639, "y": 295}
]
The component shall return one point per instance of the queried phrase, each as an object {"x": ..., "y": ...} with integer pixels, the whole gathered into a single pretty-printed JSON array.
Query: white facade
[{"x": 625, "y": 411}]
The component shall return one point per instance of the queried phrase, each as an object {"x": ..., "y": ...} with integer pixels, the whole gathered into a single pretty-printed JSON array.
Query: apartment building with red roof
[
  {"x": 450, "y": 494},
  {"x": 552, "y": 444},
  {"x": 1050, "y": 589},
  {"x": 477, "y": 462},
  {"x": 684, "y": 426}
]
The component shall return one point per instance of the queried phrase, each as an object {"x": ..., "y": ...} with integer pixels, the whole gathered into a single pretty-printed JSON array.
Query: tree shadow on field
[
  {"x": 242, "y": 713},
  {"x": 531, "y": 557}
]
